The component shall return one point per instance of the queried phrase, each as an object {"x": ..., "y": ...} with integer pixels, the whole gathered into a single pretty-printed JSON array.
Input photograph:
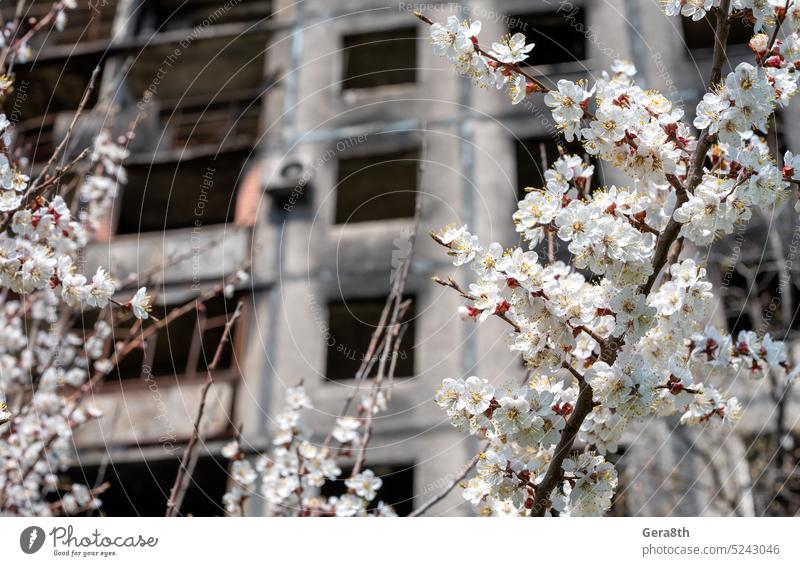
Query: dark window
[
  {"x": 557, "y": 35},
  {"x": 734, "y": 290},
  {"x": 184, "y": 347},
  {"x": 530, "y": 172},
  {"x": 380, "y": 58},
  {"x": 700, "y": 34},
  {"x": 351, "y": 326},
  {"x": 377, "y": 187},
  {"x": 229, "y": 120},
  {"x": 36, "y": 138},
  {"x": 181, "y": 194},
  {"x": 773, "y": 467},
  {"x": 141, "y": 489},
  {"x": 54, "y": 86},
  {"x": 757, "y": 294},
  {"x": 397, "y": 489},
  {"x": 211, "y": 99},
  {"x": 217, "y": 68},
  {"x": 43, "y": 91},
  {"x": 756, "y": 290},
  {"x": 165, "y": 15}
]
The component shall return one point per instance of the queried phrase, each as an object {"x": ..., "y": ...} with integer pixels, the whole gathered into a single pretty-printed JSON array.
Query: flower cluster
[
  {"x": 588, "y": 486},
  {"x": 695, "y": 9},
  {"x": 760, "y": 12},
  {"x": 46, "y": 364},
  {"x": 36, "y": 429},
  {"x": 744, "y": 173},
  {"x": 620, "y": 332},
  {"x": 603, "y": 236},
  {"x": 568, "y": 105},
  {"x": 290, "y": 478},
  {"x": 636, "y": 130},
  {"x": 496, "y": 68},
  {"x": 106, "y": 175},
  {"x": 18, "y": 42}
]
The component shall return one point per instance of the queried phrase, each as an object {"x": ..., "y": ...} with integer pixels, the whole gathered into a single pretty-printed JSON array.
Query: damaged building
[{"x": 286, "y": 136}]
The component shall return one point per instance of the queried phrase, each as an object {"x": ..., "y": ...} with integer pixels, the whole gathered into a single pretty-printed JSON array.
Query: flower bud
[
  {"x": 502, "y": 308},
  {"x": 759, "y": 43}
]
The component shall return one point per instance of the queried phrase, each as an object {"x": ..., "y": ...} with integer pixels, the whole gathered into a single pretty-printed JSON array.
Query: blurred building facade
[{"x": 288, "y": 134}]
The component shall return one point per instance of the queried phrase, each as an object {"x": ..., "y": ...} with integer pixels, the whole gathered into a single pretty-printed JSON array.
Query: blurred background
[{"x": 289, "y": 134}]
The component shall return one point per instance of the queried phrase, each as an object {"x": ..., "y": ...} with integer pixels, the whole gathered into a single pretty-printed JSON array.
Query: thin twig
[
  {"x": 391, "y": 313},
  {"x": 57, "y": 152},
  {"x": 551, "y": 236},
  {"x": 185, "y": 470},
  {"x": 395, "y": 338},
  {"x": 392, "y": 342},
  {"x": 455, "y": 286},
  {"x": 437, "y": 498}
]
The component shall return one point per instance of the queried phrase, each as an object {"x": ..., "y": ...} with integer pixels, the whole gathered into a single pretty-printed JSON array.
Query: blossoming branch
[{"x": 619, "y": 332}]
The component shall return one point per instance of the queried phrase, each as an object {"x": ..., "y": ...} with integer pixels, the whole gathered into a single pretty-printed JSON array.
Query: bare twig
[
  {"x": 60, "y": 147},
  {"x": 185, "y": 470},
  {"x": 392, "y": 313},
  {"x": 393, "y": 336},
  {"x": 437, "y": 498}
]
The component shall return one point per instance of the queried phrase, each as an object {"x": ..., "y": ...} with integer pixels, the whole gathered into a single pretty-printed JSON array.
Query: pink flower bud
[{"x": 759, "y": 43}]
